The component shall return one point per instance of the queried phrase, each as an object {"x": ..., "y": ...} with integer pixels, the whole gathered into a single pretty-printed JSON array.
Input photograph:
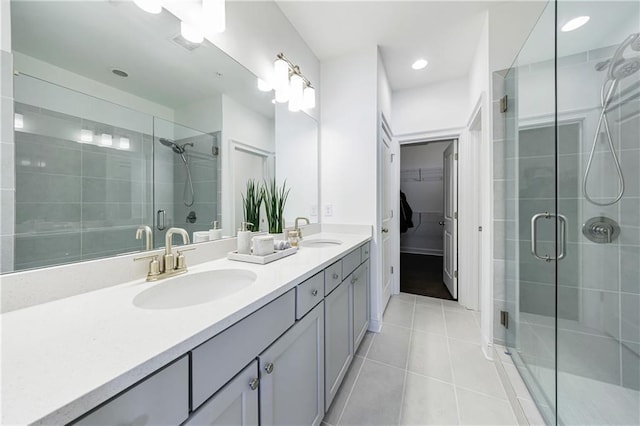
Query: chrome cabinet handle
[
  {"x": 314, "y": 292},
  {"x": 269, "y": 368},
  {"x": 335, "y": 276},
  {"x": 534, "y": 238},
  {"x": 253, "y": 384},
  {"x": 161, "y": 224}
]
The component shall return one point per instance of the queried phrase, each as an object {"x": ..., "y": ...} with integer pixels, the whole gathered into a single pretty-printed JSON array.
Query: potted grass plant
[
  {"x": 251, "y": 204},
  {"x": 275, "y": 199}
]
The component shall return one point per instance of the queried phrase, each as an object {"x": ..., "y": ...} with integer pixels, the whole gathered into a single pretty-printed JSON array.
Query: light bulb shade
[
  {"x": 282, "y": 94},
  {"x": 125, "y": 143},
  {"x": 296, "y": 94},
  {"x": 309, "y": 98},
  {"x": 280, "y": 74},
  {"x": 18, "y": 121},
  {"x": 263, "y": 86},
  {"x": 191, "y": 33},
  {"x": 150, "y": 6},
  {"x": 214, "y": 11},
  {"x": 107, "y": 139},
  {"x": 86, "y": 135}
]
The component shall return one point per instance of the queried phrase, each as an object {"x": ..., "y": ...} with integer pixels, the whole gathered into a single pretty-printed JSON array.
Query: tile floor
[{"x": 425, "y": 367}]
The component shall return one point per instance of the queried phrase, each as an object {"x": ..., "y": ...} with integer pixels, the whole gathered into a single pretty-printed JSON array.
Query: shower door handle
[
  {"x": 534, "y": 238},
  {"x": 161, "y": 220}
]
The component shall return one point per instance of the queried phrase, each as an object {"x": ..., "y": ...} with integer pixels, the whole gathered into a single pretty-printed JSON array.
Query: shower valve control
[{"x": 601, "y": 230}]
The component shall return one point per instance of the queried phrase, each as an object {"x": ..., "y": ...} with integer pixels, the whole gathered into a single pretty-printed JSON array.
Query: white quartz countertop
[{"x": 62, "y": 358}]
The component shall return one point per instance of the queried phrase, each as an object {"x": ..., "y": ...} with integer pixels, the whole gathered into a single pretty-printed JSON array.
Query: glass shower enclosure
[{"x": 571, "y": 164}]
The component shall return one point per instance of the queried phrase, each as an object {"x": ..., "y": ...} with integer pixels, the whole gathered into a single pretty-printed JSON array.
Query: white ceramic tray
[{"x": 261, "y": 260}]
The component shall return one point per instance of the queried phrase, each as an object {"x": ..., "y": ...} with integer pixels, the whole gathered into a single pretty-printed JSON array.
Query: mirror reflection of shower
[
  {"x": 618, "y": 68},
  {"x": 188, "y": 195}
]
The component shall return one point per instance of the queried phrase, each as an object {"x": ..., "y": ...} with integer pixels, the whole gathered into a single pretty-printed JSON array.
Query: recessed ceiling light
[
  {"x": 119, "y": 73},
  {"x": 419, "y": 64},
  {"x": 574, "y": 23}
]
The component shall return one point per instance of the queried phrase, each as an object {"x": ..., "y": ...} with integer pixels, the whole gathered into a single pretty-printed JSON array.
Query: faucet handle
[
  {"x": 154, "y": 266},
  {"x": 180, "y": 259}
]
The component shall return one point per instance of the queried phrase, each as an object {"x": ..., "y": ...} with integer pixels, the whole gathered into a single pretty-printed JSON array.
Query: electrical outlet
[
  {"x": 314, "y": 210},
  {"x": 328, "y": 210}
]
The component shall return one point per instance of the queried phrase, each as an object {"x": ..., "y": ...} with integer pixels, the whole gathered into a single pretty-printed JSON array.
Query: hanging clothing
[{"x": 406, "y": 214}]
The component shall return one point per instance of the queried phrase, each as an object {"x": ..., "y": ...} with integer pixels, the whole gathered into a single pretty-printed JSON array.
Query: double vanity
[{"x": 225, "y": 343}]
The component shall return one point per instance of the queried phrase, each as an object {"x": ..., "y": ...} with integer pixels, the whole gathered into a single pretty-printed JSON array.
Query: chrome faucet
[
  {"x": 168, "y": 265},
  {"x": 144, "y": 229},
  {"x": 297, "y": 228}
]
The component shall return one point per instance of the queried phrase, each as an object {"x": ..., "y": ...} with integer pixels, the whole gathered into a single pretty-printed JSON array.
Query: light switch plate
[
  {"x": 328, "y": 210},
  {"x": 314, "y": 210}
]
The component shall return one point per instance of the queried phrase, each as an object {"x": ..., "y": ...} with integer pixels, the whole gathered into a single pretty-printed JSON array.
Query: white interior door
[
  {"x": 450, "y": 246},
  {"x": 387, "y": 215},
  {"x": 248, "y": 164}
]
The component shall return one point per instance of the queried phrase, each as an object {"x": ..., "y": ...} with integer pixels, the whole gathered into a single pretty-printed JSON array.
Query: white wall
[
  {"x": 243, "y": 125},
  {"x": 438, "y": 106},
  {"x": 205, "y": 115}
]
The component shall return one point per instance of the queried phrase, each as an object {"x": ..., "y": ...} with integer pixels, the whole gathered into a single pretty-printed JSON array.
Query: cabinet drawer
[
  {"x": 309, "y": 294},
  {"x": 332, "y": 277},
  {"x": 161, "y": 399},
  {"x": 364, "y": 252},
  {"x": 350, "y": 262},
  {"x": 217, "y": 360}
]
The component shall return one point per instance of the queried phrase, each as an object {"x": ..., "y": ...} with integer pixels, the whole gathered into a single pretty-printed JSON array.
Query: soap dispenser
[
  {"x": 244, "y": 238},
  {"x": 216, "y": 232}
]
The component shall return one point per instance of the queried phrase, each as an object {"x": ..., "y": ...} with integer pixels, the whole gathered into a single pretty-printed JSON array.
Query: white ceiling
[{"x": 445, "y": 33}]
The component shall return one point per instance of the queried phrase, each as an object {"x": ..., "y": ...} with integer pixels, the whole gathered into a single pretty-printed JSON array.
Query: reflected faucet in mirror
[{"x": 146, "y": 230}]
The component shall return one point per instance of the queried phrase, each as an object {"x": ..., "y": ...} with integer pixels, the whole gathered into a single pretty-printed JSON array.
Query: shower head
[
  {"x": 178, "y": 149},
  {"x": 618, "y": 64},
  {"x": 625, "y": 68}
]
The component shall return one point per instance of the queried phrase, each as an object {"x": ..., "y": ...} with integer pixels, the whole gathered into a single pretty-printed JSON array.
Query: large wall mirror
[{"x": 121, "y": 122}]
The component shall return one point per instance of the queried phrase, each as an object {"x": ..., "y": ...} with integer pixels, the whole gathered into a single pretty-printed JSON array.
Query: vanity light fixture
[
  {"x": 150, "y": 6},
  {"x": 86, "y": 135},
  {"x": 214, "y": 12},
  {"x": 191, "y": 33},
  {"x": 18, "y": 121},
  {"x": 107, "y": 139},
  {"x": 263, "y": 86},
  {"x": 419, "y": 64},
  {"x": 124, "y": 143},
  {"x": 574, "y": 24},
  {"x": 291, "y": 85}
]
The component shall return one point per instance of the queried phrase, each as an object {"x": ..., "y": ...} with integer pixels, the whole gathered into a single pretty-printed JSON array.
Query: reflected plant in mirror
[{"x": 251, "y": 203}]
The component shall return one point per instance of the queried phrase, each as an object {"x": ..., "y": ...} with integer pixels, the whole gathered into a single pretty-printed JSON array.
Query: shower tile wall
[
  {"x": 7, "y": 173},
  {"x": 204, "y": 174},
  {"x": 77, "y": 201}
]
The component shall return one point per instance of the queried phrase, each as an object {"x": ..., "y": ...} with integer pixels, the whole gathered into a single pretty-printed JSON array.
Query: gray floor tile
[
  {"x": 431, "y": 301},
  {"x": 391, "y": 346},
  {"x": 405, "y": 297},
  {"x": 473, "y": 371},
  {"x": 365, "y": 344},
  {"x": 484, "y": 410},
  {"x": 429, "y": 319},
  {"x": 340, "y": 400},
  {"x": 428, "y": 402},
  {"x": 461, "y": 325},
  {"x": 398, "y": 313},
  {"x": 429, "y": 355},
  {"x": 453, "y": 305},
  {"x": 376, "y": 396}
]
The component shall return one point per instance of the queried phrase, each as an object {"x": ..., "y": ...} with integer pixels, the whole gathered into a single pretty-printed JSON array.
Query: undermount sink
[
  {"x": 319, "y": 243},
  {"x": 194, "y": 288}
]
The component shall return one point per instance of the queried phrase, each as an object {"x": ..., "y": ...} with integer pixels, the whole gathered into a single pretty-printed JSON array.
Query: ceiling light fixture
[
  {"x": 574, "y": 24},
  {"x": 419, "y": 64},
  {"x": 291, "y": 85},
  {"x": 191, "y": 33},
  {"x": 18, "y": 121},
  {"x": 150, "y": 6}
]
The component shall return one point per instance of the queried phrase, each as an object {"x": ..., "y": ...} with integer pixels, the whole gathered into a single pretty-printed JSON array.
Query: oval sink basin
[
  {"x": 319, "y": 243},
  {"x": 194, "y": 288}
]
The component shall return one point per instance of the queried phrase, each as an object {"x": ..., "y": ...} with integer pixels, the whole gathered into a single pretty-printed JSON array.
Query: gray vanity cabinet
[
  {"x": 235, "y": 404},
  {"x": 292, "y": 374},
  {"x": 360, "y": 290},
  {"x": 338, "y": 340}
]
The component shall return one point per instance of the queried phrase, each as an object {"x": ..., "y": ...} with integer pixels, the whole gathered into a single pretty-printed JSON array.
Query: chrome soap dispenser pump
[{"x": 244, "y": 238}]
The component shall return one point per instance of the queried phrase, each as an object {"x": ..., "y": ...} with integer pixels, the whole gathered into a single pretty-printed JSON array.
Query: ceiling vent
[{"x": 182, "y": 42}]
